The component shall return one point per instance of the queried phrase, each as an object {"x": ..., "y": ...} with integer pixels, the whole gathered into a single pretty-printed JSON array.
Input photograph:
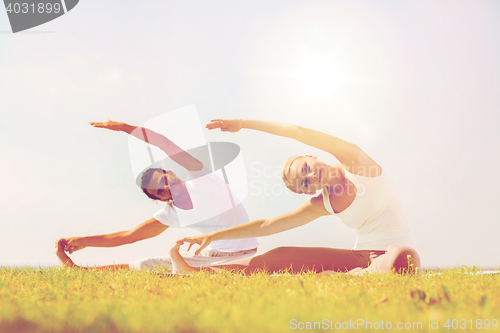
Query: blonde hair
[{"x": 285, "y": 171}]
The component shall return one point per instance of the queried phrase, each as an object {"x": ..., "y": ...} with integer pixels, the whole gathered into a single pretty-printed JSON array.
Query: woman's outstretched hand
[
  {"x": 225, "y": 125},
  {"x": 110, "y": 124},
  {"x": 203, "y": 240}
]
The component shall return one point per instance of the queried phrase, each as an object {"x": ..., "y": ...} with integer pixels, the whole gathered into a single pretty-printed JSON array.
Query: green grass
[{"x": 49, "y": 300}]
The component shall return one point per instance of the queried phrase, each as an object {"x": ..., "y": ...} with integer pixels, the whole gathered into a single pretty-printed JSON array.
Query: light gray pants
[{"x": 204, "y": 259}]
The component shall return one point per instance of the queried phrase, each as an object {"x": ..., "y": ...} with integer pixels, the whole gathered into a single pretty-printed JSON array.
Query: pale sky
[{"x": 413, "y": 83}]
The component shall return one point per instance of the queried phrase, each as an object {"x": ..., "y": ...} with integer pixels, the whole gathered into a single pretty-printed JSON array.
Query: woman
[
  {"x": 356, "y": 190},
  {"x": 189, "y": 203}
]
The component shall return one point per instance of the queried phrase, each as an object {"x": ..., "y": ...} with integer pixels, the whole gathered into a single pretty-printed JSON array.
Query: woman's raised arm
[
  {"x": 171, "y": 149},
  {"x": 346, "y": 153},
  {"x": 305, "y": 213}
]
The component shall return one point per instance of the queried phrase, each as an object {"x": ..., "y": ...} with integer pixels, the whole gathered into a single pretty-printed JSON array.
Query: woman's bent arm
[
  {"x": 347, "y": 153},
  {"x": 305, "y": 213}
]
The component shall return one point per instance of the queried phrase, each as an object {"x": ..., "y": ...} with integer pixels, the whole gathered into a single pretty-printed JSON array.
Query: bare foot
[
  {"x": 64, "y": 260},
  {"x": 179, "y": 265}
]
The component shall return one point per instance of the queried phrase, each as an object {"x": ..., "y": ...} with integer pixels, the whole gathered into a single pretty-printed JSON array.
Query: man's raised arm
[{"x": 171, "y": 149}]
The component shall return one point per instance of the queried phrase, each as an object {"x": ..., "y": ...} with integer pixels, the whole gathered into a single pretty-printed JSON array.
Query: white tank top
[{"x": 376, "y": 213}]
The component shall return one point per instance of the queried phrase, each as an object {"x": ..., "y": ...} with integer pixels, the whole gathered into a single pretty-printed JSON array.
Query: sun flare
[{"x": 317, "y": 77}]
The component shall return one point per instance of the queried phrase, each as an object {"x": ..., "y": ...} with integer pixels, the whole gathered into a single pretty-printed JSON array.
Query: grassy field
[{"x": 49, "y": 300}]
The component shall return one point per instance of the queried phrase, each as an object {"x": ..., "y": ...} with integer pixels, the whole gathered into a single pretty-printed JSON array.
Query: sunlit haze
[{"x": 413, "y": 83}]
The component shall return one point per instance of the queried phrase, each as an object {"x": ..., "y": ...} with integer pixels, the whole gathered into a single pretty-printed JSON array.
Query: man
[{"x": 196, "y": 203}]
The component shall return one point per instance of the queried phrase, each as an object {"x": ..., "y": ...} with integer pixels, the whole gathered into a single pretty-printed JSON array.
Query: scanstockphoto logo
[
  {"x": 26, "y": 14},
  {"x": 224, "y": 159}
]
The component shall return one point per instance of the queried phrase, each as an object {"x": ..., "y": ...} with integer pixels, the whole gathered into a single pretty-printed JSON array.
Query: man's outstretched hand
[
  {"x": 110, "y": 124},
  {"x": 71, "y": 244}
]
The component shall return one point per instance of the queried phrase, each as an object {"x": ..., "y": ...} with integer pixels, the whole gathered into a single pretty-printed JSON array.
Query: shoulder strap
[{"x": 326, "y": 201}]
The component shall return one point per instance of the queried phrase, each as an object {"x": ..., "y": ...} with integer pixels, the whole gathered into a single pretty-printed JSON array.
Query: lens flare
[{"x": 317, "y": 77}]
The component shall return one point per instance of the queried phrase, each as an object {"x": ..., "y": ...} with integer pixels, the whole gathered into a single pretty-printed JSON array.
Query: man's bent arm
[
  {"x": 173, "y": 151},
  {"x": 177, "y": 154}
]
